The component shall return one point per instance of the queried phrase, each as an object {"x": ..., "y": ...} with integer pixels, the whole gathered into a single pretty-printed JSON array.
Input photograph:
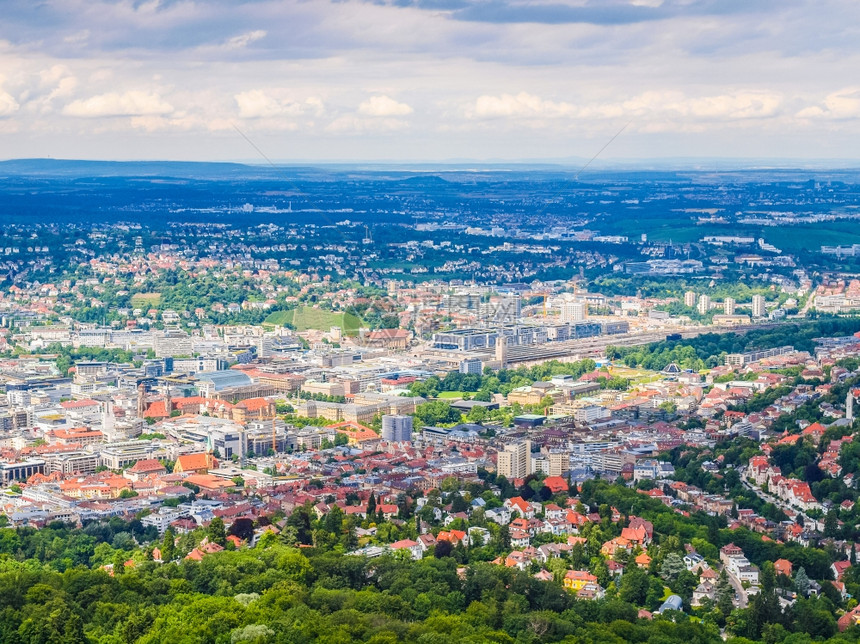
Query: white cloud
[
  {"x": 519, "y": 105},
  {"x": 383, "y": 106},
  {"x": 353, "y": 125},
  {"x": 844, "y": 104},
  {"x": 243, "y": 40},
  {"x": 258, "y": 104},
  {"x": 131, "y": 103},
  {"x": 8, "y": 105},
  {"x": 723, "y": 107}
]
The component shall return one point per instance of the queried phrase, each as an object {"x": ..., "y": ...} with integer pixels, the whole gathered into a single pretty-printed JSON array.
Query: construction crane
[{"x": 368, "y": 238}]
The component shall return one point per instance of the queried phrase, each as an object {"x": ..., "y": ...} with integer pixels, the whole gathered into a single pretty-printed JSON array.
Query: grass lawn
[
  {"x": 306, "y": 318},
  {"x": 451, "y": 394},
  {"x": 139, "y": 300},
  {"x": 279, "y": 318}
]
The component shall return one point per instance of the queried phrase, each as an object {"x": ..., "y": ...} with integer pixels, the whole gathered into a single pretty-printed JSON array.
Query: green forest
[{"x": 100, "y": 585}]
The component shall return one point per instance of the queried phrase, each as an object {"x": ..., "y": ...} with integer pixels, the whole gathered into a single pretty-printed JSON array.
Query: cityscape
[{"x": 307, "y": 336}]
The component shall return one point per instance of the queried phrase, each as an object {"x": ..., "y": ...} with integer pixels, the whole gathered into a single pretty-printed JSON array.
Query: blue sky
[{"x": 429, "y": 79}]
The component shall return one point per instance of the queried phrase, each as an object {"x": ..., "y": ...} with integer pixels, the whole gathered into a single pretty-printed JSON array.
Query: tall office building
[
  {"x": 704, "y": 304},
  {"x": 515, "y": 460},
  {"x": 559, "y": 463},
  {"x": 397, "y": 428},
  {"x": 690, "y": 298},
  {"x": 758, "y": 306},
  {"x": 572, "y": 311},
  {"x": 729, "y": 306}
]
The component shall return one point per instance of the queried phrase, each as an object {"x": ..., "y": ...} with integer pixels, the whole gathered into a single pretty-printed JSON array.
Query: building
[
  {"x": 471, "y": 365},
  {"x": 729, "y": 306},
  {"x": 199, "y": 463},
  {"x": 397, "y": 428},
  {"x": 325, "y": 388},
  {"x": 21, "y": 471},
  {"x": 651, "y": 469},
  {"x": 396, "y": 339},
  {"x": 690, "y": 299},
  {"x": 758, "y": 309},
  {"x": 573, "y": 311},
  {"x": 559, "y": 463},
  {"x": 704, "y": 304},
  {"x": 515, "y": 460}
]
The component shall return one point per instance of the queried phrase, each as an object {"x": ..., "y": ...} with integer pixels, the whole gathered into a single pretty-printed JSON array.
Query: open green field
[
  {"x": 306, "y": 318},
  {"x": 451, "y": 394},
  {"x": 279, "y": 318},
  {"x": 140, "y": 300}
]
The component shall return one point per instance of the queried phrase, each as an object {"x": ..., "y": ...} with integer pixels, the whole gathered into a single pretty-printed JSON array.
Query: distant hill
[{"x": 73, "y": 168}]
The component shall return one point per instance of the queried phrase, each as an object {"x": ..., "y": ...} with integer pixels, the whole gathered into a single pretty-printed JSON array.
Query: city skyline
[{"x": 428, "y": 80}]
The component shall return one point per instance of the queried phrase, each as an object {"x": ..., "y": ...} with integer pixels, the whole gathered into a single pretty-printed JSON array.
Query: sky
[{"x": 429, "y": 80}]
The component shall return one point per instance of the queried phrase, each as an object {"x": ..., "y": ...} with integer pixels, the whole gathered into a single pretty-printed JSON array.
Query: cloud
[
  {"x": 348, "y": 124},
  {"x": 131, "y": 103},
  {"x": 667, "y": 104},
  {"x": 844, "y": 104},
  {"x": 519, "y": 105},
  {"x": 733, "y": 106},
  {"x": 258, "y": 104},
  {"x": 8, "y": 105},
  {"x": 383, "y": 106},
  {"x": 243, "y": 40}
]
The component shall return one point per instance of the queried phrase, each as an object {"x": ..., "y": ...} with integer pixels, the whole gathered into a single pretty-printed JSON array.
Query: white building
[
  {"x": 397, "y": 428},
  {"x": 515, "y": 460}
]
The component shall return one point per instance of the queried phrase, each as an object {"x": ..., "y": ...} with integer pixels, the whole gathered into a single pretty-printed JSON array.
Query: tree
[
  {"x": 725, "y": 594},
  {"x": 442, "y": 549},
  {"x": 831, "y": 523},
  {"x": 634, "y": 585},
  {"x": 768, "y": 576},
  {"x": 436, "y": 413},
  {"x": 371, "y": 505},
  {"x": 801, "y": 582},
  {"x": 168, "y": 545},
  {"x": 672, "y": 566},
  {"x": 243, "y": 528},
  {"x": 216, "y": 532},
  {"x": 458, "y": 503}
]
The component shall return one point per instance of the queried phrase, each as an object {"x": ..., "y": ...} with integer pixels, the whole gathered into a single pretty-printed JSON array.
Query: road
[
  {"x": 740, "y": 593},
  {"x": 769, "y": 498}
]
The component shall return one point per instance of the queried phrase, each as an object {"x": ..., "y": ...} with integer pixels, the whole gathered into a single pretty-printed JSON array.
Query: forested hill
[{"x": 105, "y": 583}]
